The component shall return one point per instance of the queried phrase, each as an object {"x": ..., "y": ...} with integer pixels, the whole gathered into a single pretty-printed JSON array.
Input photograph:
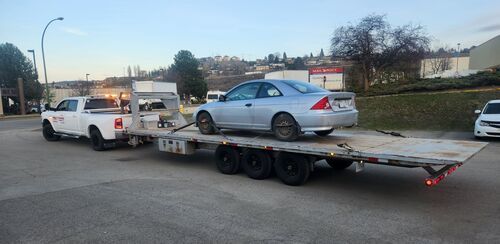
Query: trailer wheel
[
  {"x": 48, "y": 133},
  {"x": 323, "y": 132},
  {"x": 227, "y": 160},
  {"x": 338, "y": 164},
  {"x": 205, "y": 123},
  {"x": 292, "y": 169},
  {"x": 257, "y": 164},
  {"x": 97, "y": 140}
]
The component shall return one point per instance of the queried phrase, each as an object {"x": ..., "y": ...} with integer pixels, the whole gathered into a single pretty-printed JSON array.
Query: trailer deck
[
  {"x": 411, "y": 152},
  {"x": 438, "y": 157}
]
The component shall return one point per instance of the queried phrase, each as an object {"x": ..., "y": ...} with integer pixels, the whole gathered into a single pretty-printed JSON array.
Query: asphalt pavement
[
  {"x": 24, "y": 123},
  {"x": 64, "y": 192}
]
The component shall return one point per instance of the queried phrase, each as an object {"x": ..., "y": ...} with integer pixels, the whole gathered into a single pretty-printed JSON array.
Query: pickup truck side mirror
[
  {"x": 222, "y": 98},
  {"x": 477, "y": 111}
]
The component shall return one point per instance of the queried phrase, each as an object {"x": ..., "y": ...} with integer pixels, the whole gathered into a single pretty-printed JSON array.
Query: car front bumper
[
  {"x": 486, "y": 131},
  {"x": 318, "y": 120}
]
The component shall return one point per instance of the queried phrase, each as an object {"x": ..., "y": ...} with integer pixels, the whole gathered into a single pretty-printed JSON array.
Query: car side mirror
[
  {"x": 477, "y": 111},
  {"x": 47, "y": 107},
  {"x": 222, "y": 98}
]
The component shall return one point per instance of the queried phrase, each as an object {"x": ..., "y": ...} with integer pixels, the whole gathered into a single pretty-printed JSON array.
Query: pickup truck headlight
[{"x": 482, "y": 123}]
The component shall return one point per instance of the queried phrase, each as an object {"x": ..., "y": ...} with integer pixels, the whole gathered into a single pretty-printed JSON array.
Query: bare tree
[
  {"x": 81, "y": 88},
  {"x": 129, "y": 71},
  {"x": 440, "y": 60},
  {"x": 379, "y": 50}
]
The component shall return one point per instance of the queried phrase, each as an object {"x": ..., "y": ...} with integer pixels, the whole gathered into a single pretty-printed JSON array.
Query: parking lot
[{"x": 66, "y": 192}]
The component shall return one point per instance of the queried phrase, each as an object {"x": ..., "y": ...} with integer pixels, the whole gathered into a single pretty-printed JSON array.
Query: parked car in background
[
  {"x": 488, "y": 122},
  {"x": 285, "y": 107},
  {"x": 213, "y": 96}
]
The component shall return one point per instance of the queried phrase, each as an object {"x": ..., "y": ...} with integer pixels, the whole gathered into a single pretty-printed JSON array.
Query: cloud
[
  {"x": 74, "y": 31},
  {"x": 489, "y": 28}
]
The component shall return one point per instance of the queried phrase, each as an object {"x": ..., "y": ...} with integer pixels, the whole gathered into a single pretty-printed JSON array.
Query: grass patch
[
  {"x": 482, "y": 79},
  {"x": 453, "y": 111}
]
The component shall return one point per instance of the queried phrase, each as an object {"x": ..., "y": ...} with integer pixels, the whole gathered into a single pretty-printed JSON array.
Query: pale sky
[{"x": 104, "y": 37}]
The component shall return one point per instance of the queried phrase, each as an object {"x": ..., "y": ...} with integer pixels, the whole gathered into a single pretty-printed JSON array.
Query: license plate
[{"x": 344, "y": 103}]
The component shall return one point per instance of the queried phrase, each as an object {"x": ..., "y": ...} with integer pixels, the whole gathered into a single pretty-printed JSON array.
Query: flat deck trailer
[{"x": 259, "y": 153}]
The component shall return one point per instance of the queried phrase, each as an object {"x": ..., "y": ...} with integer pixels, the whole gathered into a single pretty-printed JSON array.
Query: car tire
[
  {"x": 338, "y": 164},
  {"x": 292, "y": 169},
  {"x": 285, "y": 128},
  {"x": 205, "y": 123},
  {"x": 227, "y": 160},
  {"x": 257, "y": 164},
  {"x": 96, "y": 140},
  {"x": 323, "y": 132},
  {"x": 479, "y": 138},
  {"x": 49, "y": 133}
]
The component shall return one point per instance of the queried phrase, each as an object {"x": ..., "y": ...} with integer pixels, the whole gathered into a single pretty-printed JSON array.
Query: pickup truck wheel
[
  {"x": 338, "y": 164},
  {"x": 292, "y": 169},
  {"x": 205, "y": 123},
  {"x": 227, "y": 160},
  {"x": 49, "y": 133},
  {"x": 96, "y": 140},
  {"x": 257, "y": 164},
  {"x": 285, "y": 128},
  {"x": 323, "y": 132}
]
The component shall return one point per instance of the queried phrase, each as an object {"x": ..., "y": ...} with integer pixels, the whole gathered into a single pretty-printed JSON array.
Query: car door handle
[{"x": 248, "y": 104}]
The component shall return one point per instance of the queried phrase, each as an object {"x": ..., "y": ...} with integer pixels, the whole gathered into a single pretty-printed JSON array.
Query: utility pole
[
  {"x": 1, "y": 103},
  {"x": 20, "y": 88}
]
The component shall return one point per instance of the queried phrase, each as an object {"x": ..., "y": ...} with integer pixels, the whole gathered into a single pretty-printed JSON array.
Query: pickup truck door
[{"x": 65, "y": 117}]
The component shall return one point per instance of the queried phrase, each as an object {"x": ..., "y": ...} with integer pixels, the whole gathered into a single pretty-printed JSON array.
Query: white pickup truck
[{"x": 99, "y": 118}]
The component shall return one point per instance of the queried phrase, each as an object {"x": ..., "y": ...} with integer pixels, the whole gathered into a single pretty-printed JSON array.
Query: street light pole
[
  {"x": 34, "y": 62},
  {"x": 88, "y": 87},
  {"x": 458, "y": 54},
  {"x": 47, "y": 95}
]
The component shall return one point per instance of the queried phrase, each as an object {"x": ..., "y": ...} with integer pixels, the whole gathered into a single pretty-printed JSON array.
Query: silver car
[{"x": 288, "y": 108}]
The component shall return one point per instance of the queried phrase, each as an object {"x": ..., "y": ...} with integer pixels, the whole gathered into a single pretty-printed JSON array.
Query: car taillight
[
  {"x": 118, "y": 123},
  {"x": 322, "y": 104}
]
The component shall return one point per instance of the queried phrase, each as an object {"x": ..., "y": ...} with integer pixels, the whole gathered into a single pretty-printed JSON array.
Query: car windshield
[
  {"x": 101, "y": 103},
  {"x": 304, "y": 87},
  {"x": 492, "y": 108}
]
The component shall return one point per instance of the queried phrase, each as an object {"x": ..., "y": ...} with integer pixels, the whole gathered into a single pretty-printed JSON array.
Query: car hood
[{"x": 490, "y": 117}]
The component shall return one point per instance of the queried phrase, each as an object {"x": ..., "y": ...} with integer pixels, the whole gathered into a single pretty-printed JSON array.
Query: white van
[{"x": 213, "y": 96}]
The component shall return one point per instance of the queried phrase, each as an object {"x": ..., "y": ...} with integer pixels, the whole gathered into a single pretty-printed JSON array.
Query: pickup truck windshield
[{"x": 100, "y": 103}]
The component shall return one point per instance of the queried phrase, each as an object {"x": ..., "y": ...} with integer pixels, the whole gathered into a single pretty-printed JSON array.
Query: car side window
[
  {"x": 72, "y": 105},
  {"x": 244, "y": 92},
  {"x": 268, "y": 90},
  {"x": 63, "y": 106}
]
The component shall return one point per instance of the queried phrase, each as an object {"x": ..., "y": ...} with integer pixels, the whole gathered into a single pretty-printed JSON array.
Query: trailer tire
[
  {"x": 257, "y": 164},
  {"x": 292, "y": 169},
  {"x": 338, "y": 164},
  {"x": 285, "y": 127},
  {"x": 96, "y": 140},
  {"x": 227, "y": 160},
  {"x": 205, "y": 123},
  {"x": 323, "y": 132},
  {"x": 48, "y": 133}
]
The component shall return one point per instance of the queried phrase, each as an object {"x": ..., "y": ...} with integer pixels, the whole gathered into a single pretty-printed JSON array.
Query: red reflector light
[
  {"x": 428, "y": 182},
  {"x": 322, "y": 104},
  {"x": 373, "y": 160},
  {"x": 118, "y": 123}
]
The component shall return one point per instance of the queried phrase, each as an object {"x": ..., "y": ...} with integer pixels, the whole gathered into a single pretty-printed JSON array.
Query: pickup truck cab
[{"x": 98, "y": 118}]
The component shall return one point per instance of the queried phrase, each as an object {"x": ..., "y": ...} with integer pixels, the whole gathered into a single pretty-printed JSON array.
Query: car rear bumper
[{"x": 317, "y": 121}]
